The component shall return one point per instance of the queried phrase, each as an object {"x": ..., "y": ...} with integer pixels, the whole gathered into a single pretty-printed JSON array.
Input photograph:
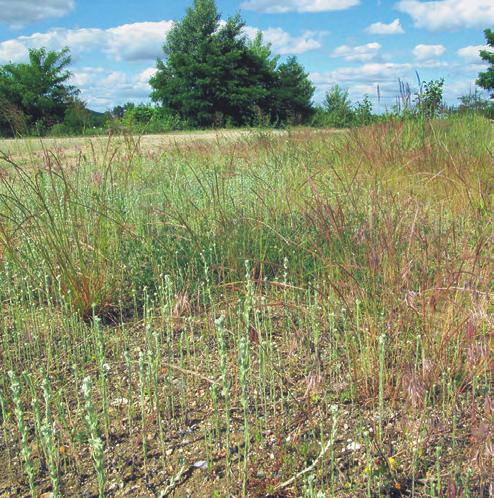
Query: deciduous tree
[{"x": 38, "y": 89}]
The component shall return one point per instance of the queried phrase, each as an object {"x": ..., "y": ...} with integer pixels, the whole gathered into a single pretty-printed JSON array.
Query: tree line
[{"x": 211, "y": 75}]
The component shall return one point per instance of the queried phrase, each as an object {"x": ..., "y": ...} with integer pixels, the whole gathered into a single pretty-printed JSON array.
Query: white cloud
[
  {"x": 449, "y": 14},
  {"x": 130, "y": 42},
  {"x": 12, "y": 50},
  {"x": 283, "y": 6},
  {"x": 472, "y": 52},
  {"x": 380, "y": 28},
  {"x": 424, "y": 52},
  {"x": 138, "y": 41},
  {"x": 144, "y": 76},
  {"x": 367, "y": 74},
  {"x": 102, "y": 89},
  {"x": 283, "y": 43},
  {"x": 464, "y": 87},
  {"x": 365, "y": 80},
  {"x": 361, "y": 53},
  {"x": 21, "y": 12}
]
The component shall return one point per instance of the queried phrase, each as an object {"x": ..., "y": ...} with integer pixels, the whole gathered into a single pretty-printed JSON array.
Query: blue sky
[{"x": 358, "y": 44}]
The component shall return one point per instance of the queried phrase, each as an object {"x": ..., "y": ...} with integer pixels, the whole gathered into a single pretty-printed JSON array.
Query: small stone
[
  {"x": 353, "y": 446},
  {"x": 120, "y": 402}
]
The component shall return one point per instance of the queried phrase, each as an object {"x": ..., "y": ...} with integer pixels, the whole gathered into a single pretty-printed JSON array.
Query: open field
[
  {"x": 295, "y": 314},
  {"x": 148, "y": 142},
  {"x": 29, "y": 150}
]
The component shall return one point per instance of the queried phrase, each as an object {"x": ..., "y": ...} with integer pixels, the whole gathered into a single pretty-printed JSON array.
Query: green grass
[{"x": 295, "y": 315}]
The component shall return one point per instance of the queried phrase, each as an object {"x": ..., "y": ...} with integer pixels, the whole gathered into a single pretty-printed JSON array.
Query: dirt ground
[{"x": 32, "y": 148}]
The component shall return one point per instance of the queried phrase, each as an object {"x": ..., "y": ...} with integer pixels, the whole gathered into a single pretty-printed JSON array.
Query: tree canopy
[
  {"x": 338, "y": 105},
  {"x": 212, "y": 74},
  {"x": 486, "y": 79},
  {"x": 36, "y": 93},
  {"x": 293, "y": 93}
]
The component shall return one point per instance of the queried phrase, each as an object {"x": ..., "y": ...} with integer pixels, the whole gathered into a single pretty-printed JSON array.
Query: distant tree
[
  {"x": 138, "y": 116},
  {"x": 128, "y": 106},
  {"x": 430, "y": 98},
  {"x": 472, "y": 101},
  {"x": 210, "y": 74},
  {"x": 242, "y": 86},
  {"x": 486, "y": 79},
  {"x": 77, "y": 118},
  {"x": 293, "y": 93},
  {"x": 338, "y": 107},
  {"x": 39, "y": 89},
  {"x": 12, "y": 120},
  {"x": 118, "y": 112},
  {"x": 363, "y": 112},
  {"x": 186, "y": 80}
]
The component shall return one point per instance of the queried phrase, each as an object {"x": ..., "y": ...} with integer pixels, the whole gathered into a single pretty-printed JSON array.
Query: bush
[
  {"x": 146, "y": 118},
  {"x": 363, "y": 112},
  {"x": 60, "y": 130},
  {"x": 338, "y": 107},
  {"x": 429, "y": 99}
]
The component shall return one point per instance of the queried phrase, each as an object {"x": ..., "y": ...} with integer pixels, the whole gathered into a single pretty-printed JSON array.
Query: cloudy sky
[{"x": 358, "y": 44}]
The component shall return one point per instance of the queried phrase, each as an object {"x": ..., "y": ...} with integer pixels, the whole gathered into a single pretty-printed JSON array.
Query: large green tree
[
  {"x": 293, "y": 93},
  {"x": 36, "y": 93},
  {"x": 211, "y": 73},
  {"x": 208, "y": 74},
  {"x": 486, "y": 79}
]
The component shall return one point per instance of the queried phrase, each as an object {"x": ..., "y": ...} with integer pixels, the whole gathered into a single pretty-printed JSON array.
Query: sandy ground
[
  {"x": 25, "y": 151},
  {"x": 147, "y": 142}
]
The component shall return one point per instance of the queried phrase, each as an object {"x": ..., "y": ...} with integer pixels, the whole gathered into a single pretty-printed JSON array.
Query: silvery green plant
[
  {"x": 214, "y": 391},
  {"x": 167, "y": 305},
  {"x": 26, "y": 453},
  {"x": 104, "y": 368},
  {"x": 49, "y": 439},
  {"x": 3, "y": 409},
  {"x": 249, "y": 296},
  {"x": 5, "y": 417},
  {"x": 128, "y": 364},
  {"x": 154, "y": 365},
  {"x": 225, "y": 381},
  {"x": 142, "y": 392},
  {"x": 310, "y": 490},
  {"x": 244, "y": 362},
  {"x": 36, "y": 412},
  {"x": 95, "y": 441},
  {"x": 334, "y": 410},
  {"x": 207, "y": 280}
]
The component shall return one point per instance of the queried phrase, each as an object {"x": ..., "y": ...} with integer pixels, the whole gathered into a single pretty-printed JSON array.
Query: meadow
[{"x": 294, "y": 314}]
